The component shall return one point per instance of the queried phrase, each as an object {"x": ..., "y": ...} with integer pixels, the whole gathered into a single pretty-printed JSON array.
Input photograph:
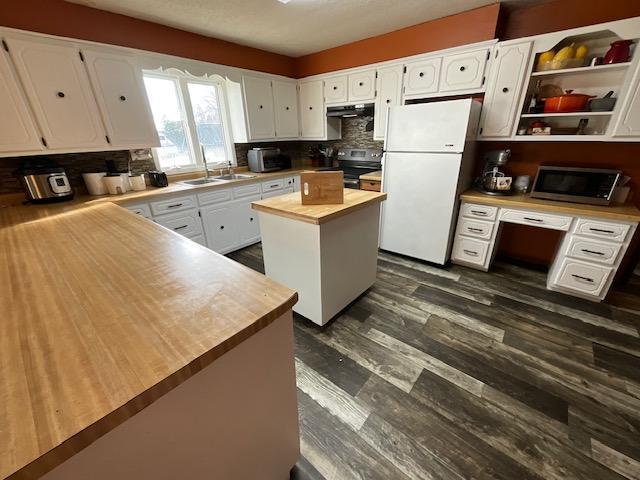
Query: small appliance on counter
[
  {"x": 593, "y": 186},
  {"x": 494, "y": 181},
  {"x": 267, "y": 159},
  {"x": 158, "y": 179},
  {"x": 44, "y": 181}
]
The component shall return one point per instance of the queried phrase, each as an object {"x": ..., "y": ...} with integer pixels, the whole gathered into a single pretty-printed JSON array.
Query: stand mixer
[{"x": 493, "y": 180}]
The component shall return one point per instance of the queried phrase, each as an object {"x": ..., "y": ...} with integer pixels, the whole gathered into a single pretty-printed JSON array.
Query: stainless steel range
[{"x": 358, "y": 161}]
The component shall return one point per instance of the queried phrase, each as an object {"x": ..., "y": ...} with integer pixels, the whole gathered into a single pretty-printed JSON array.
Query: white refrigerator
[{"x": 427, "y": 164}]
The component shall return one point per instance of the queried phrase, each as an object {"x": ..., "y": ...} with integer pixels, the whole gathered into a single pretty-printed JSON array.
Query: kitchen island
[
  {"x": 327, "y": 253},
  {"x": 129, "y": 352}
]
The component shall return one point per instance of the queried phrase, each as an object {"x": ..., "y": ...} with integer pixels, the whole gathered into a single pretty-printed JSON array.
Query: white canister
[
  {"x": 114, "y": 184},
  {"x": 94, "y": 183},
  {"x": 125, "y": 181},
  {"x": 137, "y": 182}
]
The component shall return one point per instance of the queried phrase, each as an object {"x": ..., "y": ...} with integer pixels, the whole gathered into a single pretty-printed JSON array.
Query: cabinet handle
[
  {"x": 61, "y": 94},
  {"x": 122, "y": 98},
  {"x": 600, "y": 230},
  {"x": 180, "y": 227},
  {"x": 471, "y": 252},
  {"x": 175, "y": 205},
  {"x": 505, "y": 90},
  {"x": 592, "y": 252},
  {"x": 260, "y": 107},
  {"x": 530, "y": 219},
  {"x": 221, "y": 227},
  {"x": 463, "y": 68},
  {"x": 479, "y": 212},
  {"x": 335, "y": 88},
  {"x": 472, "y": 229},
  {"x": 421, "y": 74},
  {"x": 286, "y": 108},
  {"x": 251, "y": 219},
  {"x": 360, "y": 84},
  {"x": 310, "y": 108},
  {"x": 388, "y": 100},
  {"x": 584, "y": 279}
]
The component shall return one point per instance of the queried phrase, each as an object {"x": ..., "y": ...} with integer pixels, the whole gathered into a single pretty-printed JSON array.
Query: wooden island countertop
[
  {"x": 104, "y": 312},
  {"x": 290, "y": 206}
]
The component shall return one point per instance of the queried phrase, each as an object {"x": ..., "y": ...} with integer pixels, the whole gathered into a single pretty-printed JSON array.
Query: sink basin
[
  {"x": 199, "y": 181},
  {"x": 233, "y": 176}
]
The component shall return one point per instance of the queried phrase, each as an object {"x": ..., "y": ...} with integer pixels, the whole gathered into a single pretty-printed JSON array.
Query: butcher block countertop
[
  {"x": 290, "y": 206},
  {"x": 103, "y": 313},
  {"x": 625, "y": 213},
  {"x": 372, "y": 177}
]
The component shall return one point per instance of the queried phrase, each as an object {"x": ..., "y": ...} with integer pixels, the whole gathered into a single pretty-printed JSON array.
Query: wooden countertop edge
[
  {"x": 315, "y": 220},
  {"x": 372, "y": 177},
  {"x": 93, "y": 432},
  {"x": 517, "y": 201}
]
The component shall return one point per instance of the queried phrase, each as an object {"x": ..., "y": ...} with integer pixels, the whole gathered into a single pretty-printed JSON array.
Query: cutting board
[{"x": 322, "y": 188}]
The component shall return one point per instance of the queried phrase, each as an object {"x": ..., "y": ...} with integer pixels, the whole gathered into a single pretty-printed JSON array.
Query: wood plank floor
[{"x": 457, "y": 374}]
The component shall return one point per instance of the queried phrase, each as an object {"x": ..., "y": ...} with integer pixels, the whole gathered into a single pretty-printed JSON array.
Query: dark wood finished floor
[{"x": 459, "y": 374}]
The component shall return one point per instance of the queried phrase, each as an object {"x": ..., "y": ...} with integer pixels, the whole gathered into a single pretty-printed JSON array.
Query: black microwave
[{"x": 580, "y": 185}]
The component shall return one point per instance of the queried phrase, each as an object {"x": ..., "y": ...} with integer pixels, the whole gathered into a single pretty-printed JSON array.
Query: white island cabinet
[{"x": 327, "y": 253}]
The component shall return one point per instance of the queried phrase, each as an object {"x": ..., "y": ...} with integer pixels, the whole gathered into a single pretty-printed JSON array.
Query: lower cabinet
[{"x": 220, "y": 227}]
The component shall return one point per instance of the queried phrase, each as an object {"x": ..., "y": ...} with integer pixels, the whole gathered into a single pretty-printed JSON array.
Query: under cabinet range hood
[{"x": 358, "y": 110}]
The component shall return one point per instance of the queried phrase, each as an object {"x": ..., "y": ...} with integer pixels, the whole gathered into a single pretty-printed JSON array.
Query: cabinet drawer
[
  {"x": 475, "y": 228},
  {"x": 473, "y": 210},
  {"x": 536, "y": 219},
  {"x": 582, "y": 277},
  {"x": 184, "y": 223},
  {"x": 464, "y": 71},
  {"x": 470, "y": 250},
  {"x": 370, "y": 185},
  {"x": 277, "y": 184},
  {"x": 586, "y": 249},
  {"x": 616, "y": 232},
  {"x": 141, "y": 209},
  {"x": 175, "y": 204},
  {"x": 246, "y": 190},
  {"x": 216, "y": 196}
]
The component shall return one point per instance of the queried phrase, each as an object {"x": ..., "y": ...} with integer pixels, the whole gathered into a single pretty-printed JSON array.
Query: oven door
[{"x": 581, "y": 185}]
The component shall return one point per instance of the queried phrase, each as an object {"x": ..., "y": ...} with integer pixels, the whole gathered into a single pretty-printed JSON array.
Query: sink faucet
[
  {"x": 204, "y": 159},
  {"x": 229, "y": 168}
]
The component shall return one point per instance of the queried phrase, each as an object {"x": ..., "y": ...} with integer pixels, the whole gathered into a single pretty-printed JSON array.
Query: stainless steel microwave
[{"x": 580, "y": 185}]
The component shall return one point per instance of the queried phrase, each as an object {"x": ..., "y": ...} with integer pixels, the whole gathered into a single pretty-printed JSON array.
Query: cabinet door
[
  {"x": 422, "y": 77},
  {"x": 285, "y": 103},
  {"x": 221, "y": 227},
  {"x": 389, "y": 87},
  {"x": 119, "y": 89},
  {"x": 335, "y": 89},
  {"x": 258, "y": 99},
  {"x": 629, "y": 120},
  {"x": 503, "y": 90},
  {"x": 362, "y": 86},
  {"x": 247, "y": 218},
  {"x": 464, "y": 71},
  {"x": 17, "y": 129},
  {"x": 59, "y": 91},
  {"x": 312, "y": 115}
]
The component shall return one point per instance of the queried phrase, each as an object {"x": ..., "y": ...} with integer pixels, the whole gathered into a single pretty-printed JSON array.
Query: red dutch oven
[{"x": 569, "y": 102}]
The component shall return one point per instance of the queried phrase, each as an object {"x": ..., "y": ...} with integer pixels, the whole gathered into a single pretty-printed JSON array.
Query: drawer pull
[
  {"x": 531, "y": 219},
  {"x": 175, "y": 205},
  {"x": 479, "y": 212},
  {"x": 591, "y": 252},
  {"x": 180, "y": 227},
  {"x": 478, "y": 230},
  {"x": 600, "y": 230},
  {"x": 580, "y": 277},
  {"x": 471, "y": 252},
  {"x": 221, "y": 227}
]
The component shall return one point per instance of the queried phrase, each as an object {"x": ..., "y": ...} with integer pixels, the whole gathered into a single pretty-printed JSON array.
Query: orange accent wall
[
  {"x": 56, "y": 17},
  {"x": 460, "y": 29}
]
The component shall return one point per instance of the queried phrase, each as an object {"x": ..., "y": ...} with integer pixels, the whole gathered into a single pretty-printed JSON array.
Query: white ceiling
[{"x": 297, "y": 28}]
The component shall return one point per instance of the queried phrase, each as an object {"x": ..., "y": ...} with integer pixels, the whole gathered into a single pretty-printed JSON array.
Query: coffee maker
[{"x": 494, "y": 181}]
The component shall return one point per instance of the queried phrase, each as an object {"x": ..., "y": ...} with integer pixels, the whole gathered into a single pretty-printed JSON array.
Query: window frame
[{"x": 182, "y": 81}]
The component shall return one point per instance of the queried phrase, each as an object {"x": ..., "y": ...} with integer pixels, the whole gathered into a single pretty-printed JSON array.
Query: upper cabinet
[
  {"x": 58, "y": 89},
  {"x": 314, "y": 124},
  {"x": 258, "y": 102},
  {"x": 501, "y": 99},
  {"x": 389, "y": 87},
  {"x": 463, "y": 71},
  {"x": 18, "y": 132},
  {"x": 362, "y": 86},
  {"x": 422, "y": 77},
  {"x": 285, "y": 104},
  {"x": 121, "y": 96},
  {"x": 629, "y": 120},
  {"x": 336, "y": 89}
]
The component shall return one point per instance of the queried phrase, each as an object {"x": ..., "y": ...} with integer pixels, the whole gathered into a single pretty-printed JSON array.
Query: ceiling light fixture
[{"x": 284, "y": 1}]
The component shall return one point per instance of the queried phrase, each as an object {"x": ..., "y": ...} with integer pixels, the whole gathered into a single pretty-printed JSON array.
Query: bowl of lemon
[{"x": 571, "y": 56}]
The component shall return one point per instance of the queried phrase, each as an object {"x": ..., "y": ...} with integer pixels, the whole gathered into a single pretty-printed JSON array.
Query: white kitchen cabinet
[
  {"x": 120, "y": 92},
  {"x": 18, "y": 131},
  {"x": 247, "y": 222},
  {"x": 464, "y": 71},
  {"x": 389, "y": 87},
  {"x": 258, "y": 102},
  {"x": 336, "y": 89},
  {"x": 505, "y": 83},
  {"x": 292, "y": 182},
  {"x": 220, "y": 226},
  {"x": 629, "y": 120},
  {"x": 422, "y": 77},
  {"x": 185, "y": 223},
  {"x": 285, "y": 104},
  {"x": 362, "y": 86},
  {"x": 58, "y": 88},
  {"x": 314, "y": 124}
]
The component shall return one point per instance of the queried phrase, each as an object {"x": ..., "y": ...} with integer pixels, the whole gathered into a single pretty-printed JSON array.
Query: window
[{"x": 190, "y": 117}]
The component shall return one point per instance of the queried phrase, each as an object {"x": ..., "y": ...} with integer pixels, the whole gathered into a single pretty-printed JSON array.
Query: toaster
[{"x": 267, "y": 160}]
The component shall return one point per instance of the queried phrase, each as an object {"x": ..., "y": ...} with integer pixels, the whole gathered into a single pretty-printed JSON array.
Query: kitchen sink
[
  {"x": 200, "y": 181},
  {"x": 233, "y": 176}
]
